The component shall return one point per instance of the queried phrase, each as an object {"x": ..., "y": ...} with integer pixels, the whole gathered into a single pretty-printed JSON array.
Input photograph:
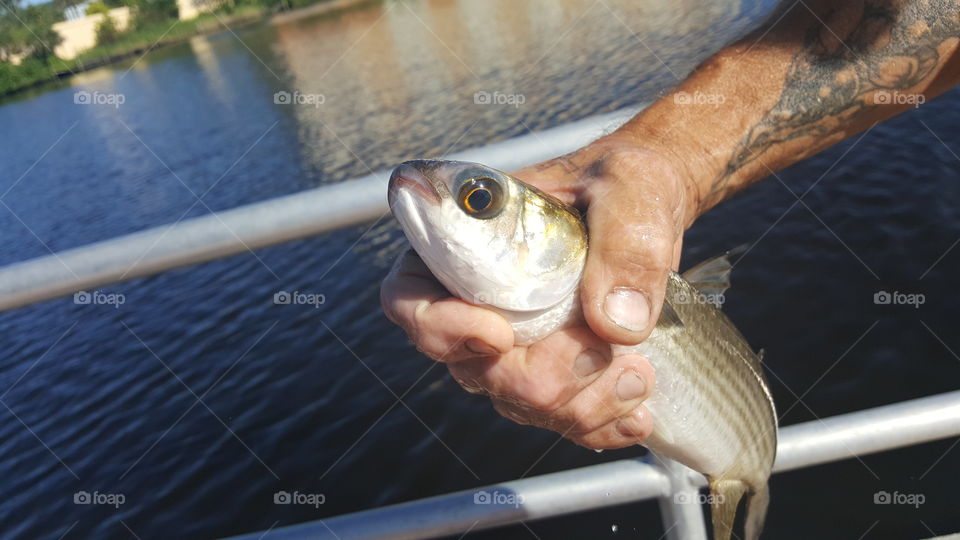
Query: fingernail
[
  {"x": 630, "y": 385},
  {"x": 479, "y": 347},
  {"x": 588, "y": 363},
  {"x": 628, "y": 308}
]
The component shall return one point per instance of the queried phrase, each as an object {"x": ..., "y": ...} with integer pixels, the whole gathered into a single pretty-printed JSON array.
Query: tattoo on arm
[{"x": 832, "y": 79}]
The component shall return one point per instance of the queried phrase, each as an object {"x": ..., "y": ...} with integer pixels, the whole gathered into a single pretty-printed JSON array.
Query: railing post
[{"x": 681, "y": 509}]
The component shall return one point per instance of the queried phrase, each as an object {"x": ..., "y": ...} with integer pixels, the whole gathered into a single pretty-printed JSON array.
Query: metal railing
[
  {"x": 257, "y": 225},
  {"x": 676, "y": 487},
  {"x": 355, "y": 201}
]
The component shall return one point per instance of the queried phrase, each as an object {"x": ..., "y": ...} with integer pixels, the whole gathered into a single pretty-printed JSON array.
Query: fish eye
[{"x": 481, "y": 197}]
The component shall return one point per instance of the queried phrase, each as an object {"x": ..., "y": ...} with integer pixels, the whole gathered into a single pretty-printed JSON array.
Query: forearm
[{"x": 797, "y": 86}]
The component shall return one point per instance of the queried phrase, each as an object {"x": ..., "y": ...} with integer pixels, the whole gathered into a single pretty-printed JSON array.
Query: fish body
[{"x": 497, "y": 242}]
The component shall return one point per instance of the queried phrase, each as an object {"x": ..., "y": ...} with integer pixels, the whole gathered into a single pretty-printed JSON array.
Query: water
[{"x": 198, "y": 399}]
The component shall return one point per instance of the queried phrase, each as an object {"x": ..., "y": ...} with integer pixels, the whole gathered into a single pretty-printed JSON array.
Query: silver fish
[{"x": 497, "y": 242}]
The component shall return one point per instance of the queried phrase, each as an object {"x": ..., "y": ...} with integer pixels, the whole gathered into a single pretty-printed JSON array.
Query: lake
[{"x": 195, "y": 398}]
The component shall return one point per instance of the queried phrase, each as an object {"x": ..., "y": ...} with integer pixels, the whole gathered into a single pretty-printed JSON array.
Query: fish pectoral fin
[
  {"x": 726, "y": 495},
  {"x": 712, "y": 276}
]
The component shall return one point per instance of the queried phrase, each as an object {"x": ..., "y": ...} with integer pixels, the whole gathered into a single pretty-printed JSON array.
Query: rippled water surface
[{"x": 198, "y": 398}]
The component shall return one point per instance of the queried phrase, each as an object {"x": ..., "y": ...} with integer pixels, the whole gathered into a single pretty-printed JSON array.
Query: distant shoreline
[{"x": 204, "y": 25}]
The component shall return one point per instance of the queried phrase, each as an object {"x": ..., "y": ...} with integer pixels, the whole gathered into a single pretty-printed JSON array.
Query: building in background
[
  {"x": 191, "y": 9},
  {"x": 80, "y": 34}
]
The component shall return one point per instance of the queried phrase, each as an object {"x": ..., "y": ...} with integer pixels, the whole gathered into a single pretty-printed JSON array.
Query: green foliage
[
  {"x": 150, "y": 11},
  {"x": 107, "y": 31},
  {"x": 28, "y": 30},
  {"x": 31, "y": 71},
  {"x": 97, "y": 7}
]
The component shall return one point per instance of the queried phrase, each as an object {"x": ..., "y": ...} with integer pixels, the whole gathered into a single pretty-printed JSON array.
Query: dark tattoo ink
[{"x": 834, "y": 78}]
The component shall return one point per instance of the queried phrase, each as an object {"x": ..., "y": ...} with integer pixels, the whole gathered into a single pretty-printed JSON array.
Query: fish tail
[
  {"x": 757, "y": 502},
  {"x": 725, "y": 501},
  {"x": 723, "y": 505}
]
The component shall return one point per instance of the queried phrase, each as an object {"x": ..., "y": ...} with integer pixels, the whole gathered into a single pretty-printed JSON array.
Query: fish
[{"x": 497, "y": 242}]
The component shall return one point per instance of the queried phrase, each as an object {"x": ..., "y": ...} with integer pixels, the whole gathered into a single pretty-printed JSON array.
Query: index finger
[{"x": 445, "y": 328}]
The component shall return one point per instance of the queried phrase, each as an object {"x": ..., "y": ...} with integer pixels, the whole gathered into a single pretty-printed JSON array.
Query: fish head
[{"x": 489, "y": 238}]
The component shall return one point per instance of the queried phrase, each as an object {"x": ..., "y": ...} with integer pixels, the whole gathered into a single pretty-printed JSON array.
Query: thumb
[{"x": 633, "y": 246}]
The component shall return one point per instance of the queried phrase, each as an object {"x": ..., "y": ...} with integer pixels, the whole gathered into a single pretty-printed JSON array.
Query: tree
[
  {"x": 28, "y": 31},
  {"x": 97, "y": 7},
  {"x": 107, "y": 30}
]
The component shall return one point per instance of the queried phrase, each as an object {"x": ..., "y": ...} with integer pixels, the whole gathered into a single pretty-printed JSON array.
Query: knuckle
[
  {"x": 587, "y": 413},
  {"x": 510, "y": 412},
  {"x": 635, "y": 256},
  {"x": 543, "y": 398}
]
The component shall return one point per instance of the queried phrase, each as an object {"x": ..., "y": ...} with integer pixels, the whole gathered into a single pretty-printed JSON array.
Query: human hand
[{"x": 637, "y": 207}]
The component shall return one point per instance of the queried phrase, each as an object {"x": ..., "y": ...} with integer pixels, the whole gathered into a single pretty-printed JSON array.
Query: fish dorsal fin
[{"x": 712, "y": 276}]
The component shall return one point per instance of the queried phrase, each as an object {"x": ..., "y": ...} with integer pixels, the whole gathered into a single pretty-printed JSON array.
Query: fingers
[
  {"x": 568, "y": 384},
  {"x": 626, "y": 431},
  {"x": 619, "y": 390},
  {"x": 634, "y": 244},
  {"x": 444, "y": 328},
  {"x": 541, "y": 378}
]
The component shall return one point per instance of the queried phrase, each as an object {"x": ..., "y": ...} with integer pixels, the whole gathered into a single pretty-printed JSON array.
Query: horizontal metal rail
[
  {"x": 261, "y": 224},
  {"x": 801, "y": 445}
]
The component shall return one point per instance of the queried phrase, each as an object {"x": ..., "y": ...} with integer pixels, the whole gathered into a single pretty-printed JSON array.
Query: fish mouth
[{"x": 408, "y": 176}]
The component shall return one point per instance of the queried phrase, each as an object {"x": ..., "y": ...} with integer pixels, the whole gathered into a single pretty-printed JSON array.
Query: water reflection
[{"x": 410, "y": 69}]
